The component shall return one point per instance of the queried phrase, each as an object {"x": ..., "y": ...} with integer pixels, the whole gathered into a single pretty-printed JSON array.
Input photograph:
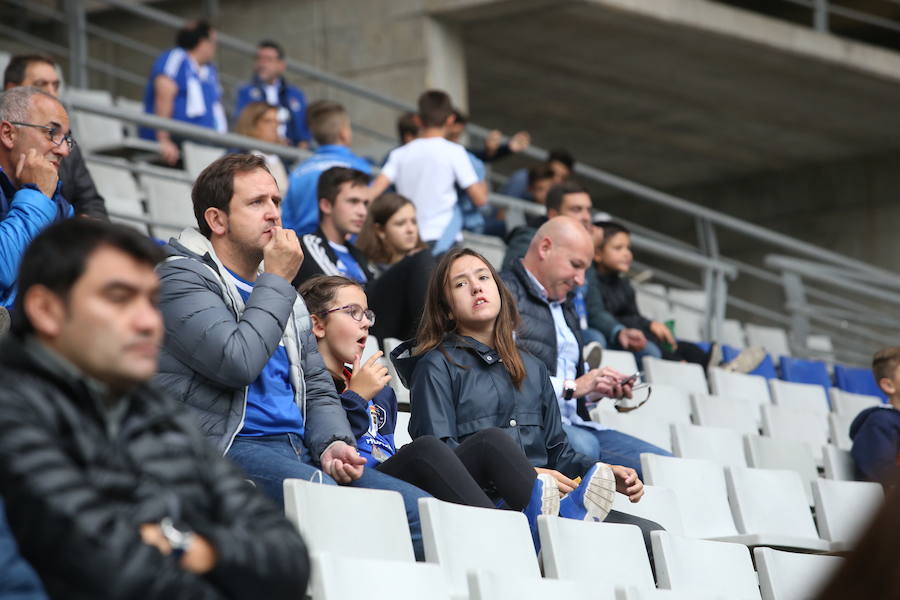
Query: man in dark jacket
[
  {"x": 343, "y": 204},
  {"x": 239, "y": 348},
  {"x": 109, "y": 490},
  {"x": 876, "y": 431},
  {"x": 542, "y": 284},
  {"x": 35, "y": 70}
]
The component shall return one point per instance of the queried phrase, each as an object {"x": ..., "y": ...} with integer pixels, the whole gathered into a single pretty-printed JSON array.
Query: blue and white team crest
[
  {"x": 255, "y": 94},
  {"x": 377, "y": 418},
  {"x": 295, "y": 105}
]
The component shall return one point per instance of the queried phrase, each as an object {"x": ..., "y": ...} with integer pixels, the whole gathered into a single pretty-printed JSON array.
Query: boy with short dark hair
[
  {"x": 876, "y": 431},
  {"x": 428, "y": 170}
]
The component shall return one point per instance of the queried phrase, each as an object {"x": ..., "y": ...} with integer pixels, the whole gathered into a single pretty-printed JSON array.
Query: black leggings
[
  {"x": 398, "y": 296},
  {"x": 487, "y": 460}
]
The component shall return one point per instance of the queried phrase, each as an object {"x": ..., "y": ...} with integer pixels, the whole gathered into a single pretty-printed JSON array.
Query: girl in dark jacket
[
  {"x": 489, "y": 461},
  {"x": 467, "y": 375}
]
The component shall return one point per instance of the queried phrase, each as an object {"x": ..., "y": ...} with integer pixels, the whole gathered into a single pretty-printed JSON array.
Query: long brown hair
[
  {"x": 437, "y": 321},
  {"x": 380, "y": 212}
]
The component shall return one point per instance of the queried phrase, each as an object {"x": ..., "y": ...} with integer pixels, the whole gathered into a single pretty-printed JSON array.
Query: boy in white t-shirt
[{"x": 427, "y": 171}]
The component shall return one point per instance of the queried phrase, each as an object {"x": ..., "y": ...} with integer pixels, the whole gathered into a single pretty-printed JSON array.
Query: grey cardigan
[{"x": 215, "y": 346}]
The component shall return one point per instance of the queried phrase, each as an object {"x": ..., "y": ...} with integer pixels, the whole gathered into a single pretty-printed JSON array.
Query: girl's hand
[
  {"x": 564, "y": 484},
  {"x": 369, "y": 379}
]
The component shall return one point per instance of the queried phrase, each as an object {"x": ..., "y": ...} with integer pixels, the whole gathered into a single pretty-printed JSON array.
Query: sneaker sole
[
  {"x": 550, "y": 497},
  {"x": 598, "y": 497}
]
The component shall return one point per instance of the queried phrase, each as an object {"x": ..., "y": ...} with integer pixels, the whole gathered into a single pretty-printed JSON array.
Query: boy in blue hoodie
[{"x": 876, "y": 431}]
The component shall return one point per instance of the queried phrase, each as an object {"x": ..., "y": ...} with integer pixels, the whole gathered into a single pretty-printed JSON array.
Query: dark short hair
[
  {"x": 539, "y": 172},
  {"x": 319, "y": 291},
  {"x": 326, "y": 118},
  {"x": 192, "y": 34},
  {"x": 330, "y": 183},
  {"x": 885, "y": 362},
  {"x": 611, "y": 228},
  {"x": 18, "y": 64},
  {"x": 460, "y": 116},
  {"x": 274, "y": 46},
  {"x": 406, "y": 125},
  {"x": 434, "y": 108},
  {"x": 557, "y": 192},
  {"x": 561, "y": 155},
  {"x": 57, "y": 258},
  {"x": 214, "y": 186}
]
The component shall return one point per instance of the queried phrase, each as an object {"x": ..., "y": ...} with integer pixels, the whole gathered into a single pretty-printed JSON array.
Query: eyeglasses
[
  {"x": 354, "y": 310},
  {"x": 54, "y": 133}
]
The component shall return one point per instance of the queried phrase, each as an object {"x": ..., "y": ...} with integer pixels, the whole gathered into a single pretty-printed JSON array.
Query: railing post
[
  {"x": 78, "y": 50},
  {"x": 820, "y": 15},
  {"x": 795, "y": 302},
  {"x": 713, "y": 280}
]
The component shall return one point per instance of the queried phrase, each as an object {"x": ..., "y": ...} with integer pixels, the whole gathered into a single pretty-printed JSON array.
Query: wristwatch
[
  {"x": 568, "y": 389},
  {"x": 179, "y": 540}
]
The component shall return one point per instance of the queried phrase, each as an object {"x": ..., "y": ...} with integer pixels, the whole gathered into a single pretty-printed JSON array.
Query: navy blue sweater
[{"x": 876, "y": 440}]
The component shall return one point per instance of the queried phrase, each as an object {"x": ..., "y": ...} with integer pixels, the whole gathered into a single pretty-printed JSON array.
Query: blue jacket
[
  {"x": 300, "y": 209},
  {"x": 876, "y": 444},
  {"x": 372, "y": 422},
  {"x": 289, "y": 97},
  {"x": 24, "y": 213}
]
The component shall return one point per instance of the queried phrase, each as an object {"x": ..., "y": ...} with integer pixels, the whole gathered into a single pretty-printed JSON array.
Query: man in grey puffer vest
[{"x": 239, "y": 349}]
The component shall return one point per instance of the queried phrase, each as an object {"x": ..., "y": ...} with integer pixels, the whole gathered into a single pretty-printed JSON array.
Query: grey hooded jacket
[{"x": 215, "y": 346}]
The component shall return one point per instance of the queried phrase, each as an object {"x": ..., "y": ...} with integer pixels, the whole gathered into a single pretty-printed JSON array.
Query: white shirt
[{"x": 427, "y": 171}]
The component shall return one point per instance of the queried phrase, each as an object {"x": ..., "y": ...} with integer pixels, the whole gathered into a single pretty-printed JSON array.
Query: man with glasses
[
  {"x": 34, "y": 140},
  {"x": 239, "y": 348},
  {"x": 35, "y": 70}
]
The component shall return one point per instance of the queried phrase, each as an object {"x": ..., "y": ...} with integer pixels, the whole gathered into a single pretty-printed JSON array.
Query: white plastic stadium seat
[
  {"x": 135, "y": 106},
  {"x": 839, "y": 429},
  {"x": 199, "y": 156},
  {"x": 337, "y": 577},
  {"x": 838, "y": 463},
  {"x": 785, "y": 423},
  {"x": 652, "y": 301},
  {"x": 120, "y": 192},
  {"x": 666, "y": 404},
  {"x": 733, "y": 333},
  {"x": 609, "y": 552},
  {"x": 330, "y": 520},
  {"x": 101, "y": 134},
  {"x": 648, "y": 429},
  {"x": 738, "y": 414},
  {"x": 773, "y": 339},
  {"x": 490, "y": 247},
  {"x": 489, "y": 585},
  {"x": 686, "y": 376},
  {"x": 401, "y": 430},
  {"x": 168, "y": 202},
  {"x": 739, "y": 385},
  {"x": 460, "y": 538},
  {"x": 689, "y": 324},
  {"x": 793, "y": 575},
  {"x": 701, "y": 491},
  {"x": 845, "y": 508},
  {"x": 724, "y": 447},
  {"x": 703, "y": 567},
  {"x": 771, "y": 509},
  {"x": 807, "y": 397},
  {"x": 401, "y": 391},
  {"x": 849, "y": 403},
  {"x": 637, "y": 593},
  {"x": 694, "y": 300},
  {"x": 659, "y": 504},
  {"x": 620, "y": 360},
  {"x": 769, "y": 453}
]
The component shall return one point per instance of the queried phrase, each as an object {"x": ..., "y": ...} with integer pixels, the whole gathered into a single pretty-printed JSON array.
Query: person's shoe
[
  {"x": 715, "y": 356},
  {"x": 544, "y": 501},
  {"x": 593, "y": 354},
  {"x": 746, "y": 361},
  {"x": 593, "y": 498}
]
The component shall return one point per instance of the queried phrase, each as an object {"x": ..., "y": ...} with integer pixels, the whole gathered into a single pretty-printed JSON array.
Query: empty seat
[
  {"x": 839, "y": 430},
  {"x": 838, "y": 463},
  {"x": 769, "y": 453},
  {"x": 98, "y": 133},
  {"x": 666, "y": 403},
  {"x": 821, "y": 347},
  {"x": 659, "y": 504},
  {"x": 724, "y": 447},
  {"x": 199, "y": 156},
  {"x": 805, "y": 397},
  {"x": 645, "y": 428},
  {"x": 620, "y": 360},
  {"x": 793, "y": 575},
  {"x": 703, "y": 567},
  {"x": 773, "y": 339},
  {"x": 694, "y": 300},
  {"x": 607, "y": 552},
  {"x": 733, "y": 333},
  {"x": 135, "y": 106},
  {"x": 652, "y": 301},
  {"x": 686, "y": 376},
  {"x": 850, "y": 403},
  {"x": 492, "y": 248},
  {"x": 784, "y": 423},
  {"x": 701, "y": 491},
  {"x": 330, "y": 520},
  {"x": 857, "y": 380},
  {"x": 766, "y": 368},
  {"x": 799, "y": 370},
  {"x": 771, "y": 508},
  {"x": 460, "y": 538},
  {"x": 845, "y": 508},
  {"x": 120, "y": 193},
  {"x": 689, "y": 324},
  {"x": 169, "y": 203},
  {"x": 338, "y": 577},
  {"x": 401, "y": 430},
  {"x": 731, "y": 413},
  {"x": 639, "y": 593},
  {"x": 489, "y": 585},
  {"x": 739, "y": 385}
]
